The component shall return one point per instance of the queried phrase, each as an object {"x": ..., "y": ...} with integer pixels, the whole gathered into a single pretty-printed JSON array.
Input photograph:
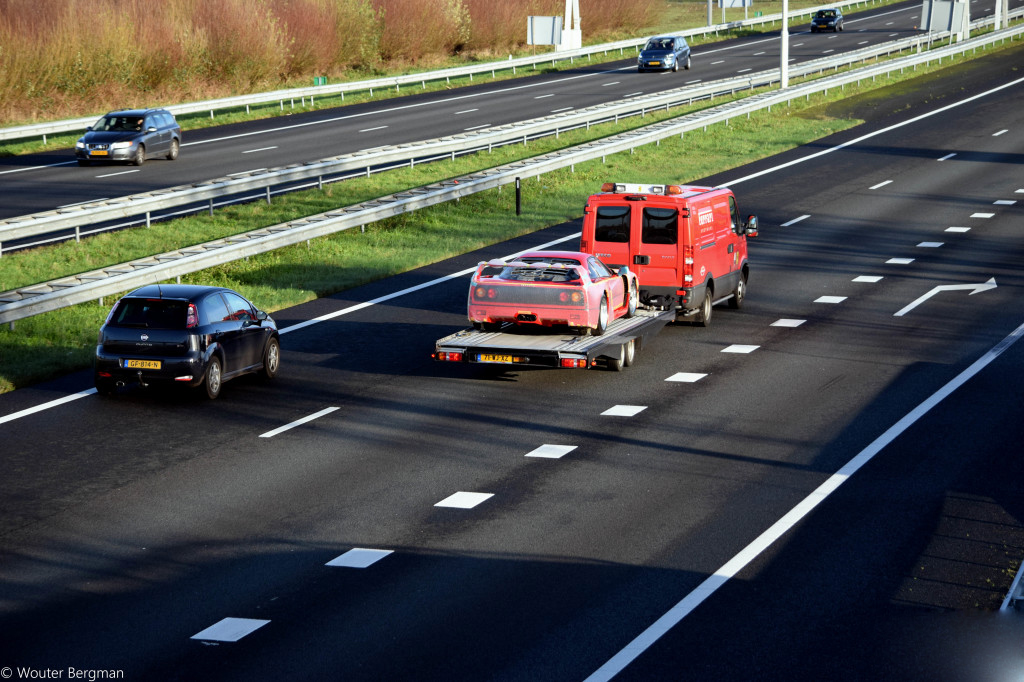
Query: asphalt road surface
[{"x": 823, "y": 485}]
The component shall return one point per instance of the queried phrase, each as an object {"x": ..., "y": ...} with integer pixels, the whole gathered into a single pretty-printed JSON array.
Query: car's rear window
[
  {"x": 150, "y": 313},
  {"x": 540, "y": 274}
]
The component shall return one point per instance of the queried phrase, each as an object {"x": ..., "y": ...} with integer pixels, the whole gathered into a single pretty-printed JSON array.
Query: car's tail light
[{"x": 193, "y": 317}]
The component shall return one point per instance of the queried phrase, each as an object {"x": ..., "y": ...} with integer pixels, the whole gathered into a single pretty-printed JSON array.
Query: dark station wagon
[
  {"x": 181, "y": 334},
  {"x": 131, "y": 135}
]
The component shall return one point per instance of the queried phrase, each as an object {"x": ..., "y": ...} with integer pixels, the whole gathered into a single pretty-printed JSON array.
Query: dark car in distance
[
  {"x": 131, "y": 135},
  {"x": 182, "y": 334},
  {"x": 664, "y": 53},
  {"x": 827, "y": 20}
]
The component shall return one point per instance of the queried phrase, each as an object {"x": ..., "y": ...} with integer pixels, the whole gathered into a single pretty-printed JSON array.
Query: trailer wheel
[
  {"x": 602, "y": 318},
  {"x": 704, "y": 314},
  {"x": 630, "y": 353},
  {"x": 616, "y": 364}
]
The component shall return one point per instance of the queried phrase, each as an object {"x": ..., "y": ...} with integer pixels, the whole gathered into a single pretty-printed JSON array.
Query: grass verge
[{"x": 55, "y": 343}]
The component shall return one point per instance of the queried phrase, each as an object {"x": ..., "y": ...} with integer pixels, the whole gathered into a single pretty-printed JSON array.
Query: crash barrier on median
[
  {"x": 396, "y": 82},
  {"x": 112, "y": 280}
]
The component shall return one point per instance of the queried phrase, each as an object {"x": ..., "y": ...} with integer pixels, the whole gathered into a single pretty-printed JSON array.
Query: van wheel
[
  {"x": 632, "y": 300},
  {"x": 704, "y": 314},
  {"x": 602, "y": 318},
  {"x": 736, "y": 302}
]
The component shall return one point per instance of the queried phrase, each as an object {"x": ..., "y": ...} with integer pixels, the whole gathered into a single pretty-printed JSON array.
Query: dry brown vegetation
[{"x": 72, "y": 57}]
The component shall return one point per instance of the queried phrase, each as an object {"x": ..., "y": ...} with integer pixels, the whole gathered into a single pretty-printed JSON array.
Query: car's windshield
[
  {"x": 150, "y": 313},
  {"x": 121, "y": 124},
  {"x": 659, "y": 44}
]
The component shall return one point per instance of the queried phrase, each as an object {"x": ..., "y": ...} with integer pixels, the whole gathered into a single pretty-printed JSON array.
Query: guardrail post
[
  {"x": 268, "y": 195},
  {"x": 147, "y": 220},
  {"x": 78, "y": 234},
  {"x": 211, "y": 207},
  {"x": 519, "y": 197}
]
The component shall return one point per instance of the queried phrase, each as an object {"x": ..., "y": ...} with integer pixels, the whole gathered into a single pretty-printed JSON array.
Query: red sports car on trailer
[{"x": 548, "y": 288}]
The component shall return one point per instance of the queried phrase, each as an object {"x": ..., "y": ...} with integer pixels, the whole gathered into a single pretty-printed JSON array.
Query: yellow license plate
[
  {"x": 494, "y": 358},
  {"x": 98, "y": 152},
  {"x": 655, "y": 63},
  {"x": 142, "y": 364}
]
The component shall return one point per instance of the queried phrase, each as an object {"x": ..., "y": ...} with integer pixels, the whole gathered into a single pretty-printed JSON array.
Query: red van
[{"x": 687, "y": 244}]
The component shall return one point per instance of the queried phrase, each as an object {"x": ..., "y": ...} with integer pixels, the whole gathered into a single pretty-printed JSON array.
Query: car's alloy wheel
[
  {"x": 213, "y": 379},
  {"x": 271, "y": 359},
  {"x": 602, "y": 317},
  {"x": 633, "y": 299},
  {"x": 140, "y": 156},
  {"x": 173, "y": 153}
]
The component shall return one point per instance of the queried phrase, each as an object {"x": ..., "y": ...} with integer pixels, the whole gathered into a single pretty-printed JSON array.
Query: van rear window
[
  {"x": 612, "y": 224},
  {"x": 660, "y": 226}
]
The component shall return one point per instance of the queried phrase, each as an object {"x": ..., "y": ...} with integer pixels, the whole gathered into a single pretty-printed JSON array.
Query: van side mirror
[{"x": 750, "y": 229}]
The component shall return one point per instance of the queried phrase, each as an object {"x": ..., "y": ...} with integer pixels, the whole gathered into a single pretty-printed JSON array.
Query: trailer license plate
[
  {"x": 485, "y": 357},
  {"x": 142, "y": 364}
]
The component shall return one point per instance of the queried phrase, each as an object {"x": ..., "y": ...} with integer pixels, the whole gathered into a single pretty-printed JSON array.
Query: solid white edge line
[
  {"x": 409, "y": 290},
  {"x": 298, "y": 422},
  {"x": 673, "y": 616}
]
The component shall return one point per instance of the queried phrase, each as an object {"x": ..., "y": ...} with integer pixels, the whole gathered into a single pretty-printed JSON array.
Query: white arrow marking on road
[{"x": 977, "y": 289}]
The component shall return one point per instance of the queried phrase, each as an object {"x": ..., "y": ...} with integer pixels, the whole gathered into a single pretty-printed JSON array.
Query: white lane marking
[
  {"x": 298, "y": 422},
  {"x": 370, "y": 130},
  {"x": 418, "y": 287},
  {"x": 624, "y": 411},
  {"x": 545, "y": 96},
  {"x": 881, "y": 184},
  {"x": 555, "y": 111},
  {"x": 929, "y": 245},
  {"x": 686, "y": 377},
  {"x": 983, "y": 215},
  {"x": 550, "y": 451},
  {"x": 695, "y": 80},
  {"x": 720, "y": 61},
  {"x": 605, "y": 85},
  {"x": 740, "y": 348},
  {"x": 261, "y": 149},
  {"x": 958, "y": 229},
  {"x": 110, "y": 175},
  {"x": 32, "y": 168},
  {"x": 794, "y": 221},
  {"x": 868, "y": 279},
  {"x": 359, "y": 558},
  {"x": 973, "y": 288},
  {"x": 947, "y": 157},
  {"x": 477, "y": 127},
  {"x": 731, "y": 568},
  {"x": 827, "y": 51},
  {"x": 870, "y": 135},
  {"x": 900, "y": 261},
  {"x": 46, "y": 406},
  {"x": 864, "y": 42},
  {"x": 758, "y": 54},
  {"x": 230, "y": 629},
  {"x": 832, "y": 300},
  {"x": 464, "y": 500},
  {"x": 254, "y": 170},
  {"x": 744, "y": 70},
  {"x": 1001, "y": 132},
  {"x": 466, "y": 111},
  {"x": 1005, "y": 202},
  {"x": 634, "y": 94},
  {"x": 1019, "y": 191},
  {"x": 784, "y": 322}
]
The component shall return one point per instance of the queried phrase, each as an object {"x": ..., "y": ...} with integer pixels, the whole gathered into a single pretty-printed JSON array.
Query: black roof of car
[{"x": 178, "y": 291}]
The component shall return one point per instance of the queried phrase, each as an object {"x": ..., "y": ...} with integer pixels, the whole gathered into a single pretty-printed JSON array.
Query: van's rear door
[{"x": 656, "y": 244}]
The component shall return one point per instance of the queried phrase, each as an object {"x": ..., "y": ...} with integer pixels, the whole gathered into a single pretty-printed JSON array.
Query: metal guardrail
[
  {"x": 77, "y": 216},
  {"x": 112, "y": 280},
  {"x": 76, "y": 124}
]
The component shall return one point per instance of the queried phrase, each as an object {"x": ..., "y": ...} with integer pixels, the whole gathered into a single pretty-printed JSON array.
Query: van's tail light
[
  {"x": 584, "y": 246},
  {"x": 688, "y": 264},
  {"x": 192, "y": 320}
]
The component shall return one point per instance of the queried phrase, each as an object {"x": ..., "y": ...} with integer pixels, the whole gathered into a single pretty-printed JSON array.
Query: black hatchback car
[
  {"x": 186, "y": 335},
  {"x": 664, "y": 53},
  {"x": 132, "y": 135},
  {"x": 827, "y": 20}
]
